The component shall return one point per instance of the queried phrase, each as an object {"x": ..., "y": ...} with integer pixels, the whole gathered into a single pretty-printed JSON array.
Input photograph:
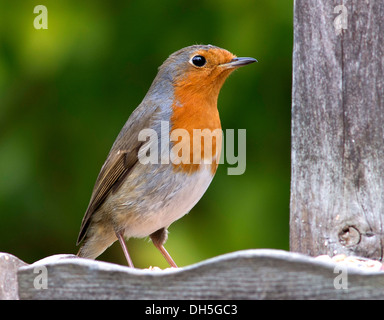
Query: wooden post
[{"x": 337, "y": 184}]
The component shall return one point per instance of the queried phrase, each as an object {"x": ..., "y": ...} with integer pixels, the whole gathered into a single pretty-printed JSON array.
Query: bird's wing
[{"x": 120, "y": 161}]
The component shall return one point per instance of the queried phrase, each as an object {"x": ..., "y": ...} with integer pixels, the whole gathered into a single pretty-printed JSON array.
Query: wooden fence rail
[{"x": 249, "y": 274}]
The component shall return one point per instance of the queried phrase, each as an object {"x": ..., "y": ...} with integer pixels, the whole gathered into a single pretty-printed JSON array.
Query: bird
[{"x": 133, "y": 198}]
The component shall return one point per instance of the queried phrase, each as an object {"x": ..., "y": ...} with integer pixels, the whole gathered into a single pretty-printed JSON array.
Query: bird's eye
[{"x": 198, "y": 61}]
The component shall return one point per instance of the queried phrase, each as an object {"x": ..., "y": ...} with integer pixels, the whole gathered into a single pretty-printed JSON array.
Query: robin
[{"x": 133, "y": 198}]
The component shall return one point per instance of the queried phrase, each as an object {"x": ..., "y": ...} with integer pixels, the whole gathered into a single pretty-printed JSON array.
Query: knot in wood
[{"x": 349, "y": 236}]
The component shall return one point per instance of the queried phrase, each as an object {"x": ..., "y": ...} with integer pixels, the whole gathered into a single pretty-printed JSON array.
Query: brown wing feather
[
  {"x": 120, "y": 161},
  {"x": 109, "y": 179}
]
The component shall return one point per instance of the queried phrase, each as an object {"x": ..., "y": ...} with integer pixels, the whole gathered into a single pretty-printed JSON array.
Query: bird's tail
[{"x": 95, "y": 243}]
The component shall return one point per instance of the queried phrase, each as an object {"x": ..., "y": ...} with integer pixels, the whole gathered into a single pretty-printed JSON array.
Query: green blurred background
[{"x": 66, "y": 92}]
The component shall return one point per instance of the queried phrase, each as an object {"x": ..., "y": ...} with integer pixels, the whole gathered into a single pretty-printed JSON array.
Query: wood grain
[
  {"x": 249, "y": 274},
  {"x": 9, "y": 265},
  {"x": 337, "y": 181}
]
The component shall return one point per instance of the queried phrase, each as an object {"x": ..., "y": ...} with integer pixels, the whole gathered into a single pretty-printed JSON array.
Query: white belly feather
[{"x": 184, "y": 199}]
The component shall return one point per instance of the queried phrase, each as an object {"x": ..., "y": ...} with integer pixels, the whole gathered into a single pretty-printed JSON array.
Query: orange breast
[{"x": 195, "y": 107}]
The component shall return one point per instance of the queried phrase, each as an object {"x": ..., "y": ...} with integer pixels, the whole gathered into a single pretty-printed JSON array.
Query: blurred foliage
[{"x": 65, "y": 93}]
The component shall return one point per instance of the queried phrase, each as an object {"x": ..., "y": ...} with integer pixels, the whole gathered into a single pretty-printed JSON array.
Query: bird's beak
[{"x": 238, "y": 62}]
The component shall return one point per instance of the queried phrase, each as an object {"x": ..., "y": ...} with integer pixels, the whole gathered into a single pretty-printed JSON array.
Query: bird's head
[{"x": 201, "y": 68}]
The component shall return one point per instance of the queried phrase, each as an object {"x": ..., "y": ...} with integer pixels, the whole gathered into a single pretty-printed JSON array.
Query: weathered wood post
[{"x": 337, "y": 183}]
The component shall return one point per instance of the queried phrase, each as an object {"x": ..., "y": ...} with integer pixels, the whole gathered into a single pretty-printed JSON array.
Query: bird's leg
[
  {"x": 166, "y": 255},
  {"x": 158, "y": 238},
  {"x": 120, "y": 236}
]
